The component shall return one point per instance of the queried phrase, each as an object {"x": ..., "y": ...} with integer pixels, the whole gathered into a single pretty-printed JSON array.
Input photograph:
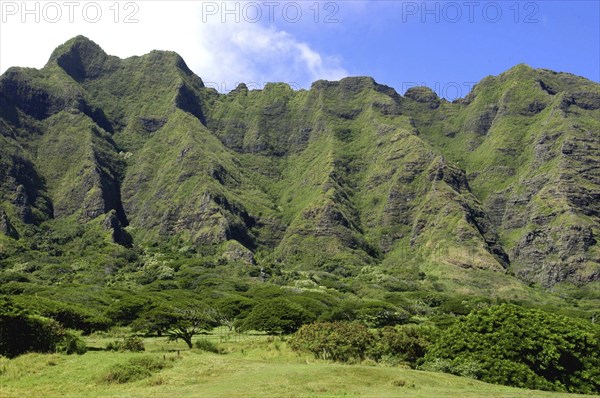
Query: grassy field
[{"x": 251, "y": 367}]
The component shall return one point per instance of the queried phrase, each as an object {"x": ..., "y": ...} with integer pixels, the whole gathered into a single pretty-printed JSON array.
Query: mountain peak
[
  {"x": 76, "y": 44},
  {"x": 350, "y": 84},
  {"x": 81, "y": 58},
  {"x": 169, "y": 58},
  {"x": 423, "y": 95}
]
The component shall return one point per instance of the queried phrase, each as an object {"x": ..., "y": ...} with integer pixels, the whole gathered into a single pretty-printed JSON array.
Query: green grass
[{"x": 252, "y": 366}]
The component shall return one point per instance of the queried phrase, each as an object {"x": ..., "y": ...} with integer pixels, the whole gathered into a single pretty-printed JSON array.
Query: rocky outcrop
[
  {"x": 6, "y": 226},
  {"x": 113, "y": 224},
  {"x": 423, "y": 95},
  {"x": 188, "y": 101},
  {"x": 543, "y": 252}
]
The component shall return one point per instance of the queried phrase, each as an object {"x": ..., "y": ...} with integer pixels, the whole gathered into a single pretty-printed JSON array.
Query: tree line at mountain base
[{"x": 502, "y": 344}]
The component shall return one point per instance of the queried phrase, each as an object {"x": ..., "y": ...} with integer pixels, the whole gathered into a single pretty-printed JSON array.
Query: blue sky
[
  {"x": 401, "y": 44},
  {"x": 445, "y": 45}
]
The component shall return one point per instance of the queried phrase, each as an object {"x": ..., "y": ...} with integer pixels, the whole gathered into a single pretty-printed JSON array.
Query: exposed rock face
[
  {"x": 6, "y": 227},
  {"x": 188, "y": 101},
  {"x": 557, "y": 245},
  {"x": 534, "y": 145},
  {"x": 343, "y": 176},
  {"x": 152, "y": 124},
  {"x": 21, "y": 203},
  {"x": 119, "y": 235}
]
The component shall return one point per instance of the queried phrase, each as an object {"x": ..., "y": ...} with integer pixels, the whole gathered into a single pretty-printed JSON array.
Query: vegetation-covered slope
[{"x": 103, "y": 159}]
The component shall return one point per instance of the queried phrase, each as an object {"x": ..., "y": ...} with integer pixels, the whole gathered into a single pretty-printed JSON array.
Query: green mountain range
[{"x": 107, "y": 164}]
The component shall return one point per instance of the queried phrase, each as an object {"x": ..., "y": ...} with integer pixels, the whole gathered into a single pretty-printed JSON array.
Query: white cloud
[{"x": 221, "y": 53}]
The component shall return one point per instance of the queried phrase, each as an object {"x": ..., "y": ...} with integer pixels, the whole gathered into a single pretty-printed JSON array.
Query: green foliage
[
  {"x": 188, "y": 323},
  {"x": 127, "y": 343},
  {"x": 23, "y": 332},
  {"x": 345, "y": 311},
  {"x": 70, "y": 315},
  {"x": 377, "y": 314},
  {"x": 135, "y": 369},
  {"x": 72, "y": 343},
  {"x": 338, "y": 341},
  {"x": 373, "y": 313},
  {"x": 406, "y": 343},
  {"x": 275, "y": 316},
  {"x": 231, "y": 308},
  {"x": 353, "y": 341},
  {"x": 208, "y": 346},
  {"x": 128, "y": 309},
  {"x": 511, "y": 345},
  {"x": 155, "y": 321}
]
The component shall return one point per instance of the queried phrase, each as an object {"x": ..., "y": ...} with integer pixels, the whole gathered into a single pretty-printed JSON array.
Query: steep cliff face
[
  {"x": 340, "y": 178},
  {"x": 529, "y": 142}
]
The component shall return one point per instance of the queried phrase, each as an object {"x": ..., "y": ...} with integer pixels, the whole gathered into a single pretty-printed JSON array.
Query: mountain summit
[{"x": 348, "y": 180}]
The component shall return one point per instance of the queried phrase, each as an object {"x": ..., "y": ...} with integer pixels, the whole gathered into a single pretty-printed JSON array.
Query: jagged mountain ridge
[{"x": 343, "y": 177}]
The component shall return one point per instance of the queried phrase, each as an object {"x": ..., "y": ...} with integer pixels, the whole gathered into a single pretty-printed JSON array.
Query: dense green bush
[
  {"x": 133, "y": 343},
  {"x": 338, "y": 341},
  {"x": 22, "y": 331},
  {"x": 406, "y": 343},
  {"x": 347, "y": 342},
  {"x": 345, "y": 311},
  {"x": 311, "y": 306},
  {"x": 276, "y": 316},
  {"x": 125, "y": 311},
  {"x": 232, "y": 308},
  {"x": 377, "y": 314},
  {"x": 520, "y": 347},
  {"x": 373, "y": 313},
  {"x": 71, "y": 316}
]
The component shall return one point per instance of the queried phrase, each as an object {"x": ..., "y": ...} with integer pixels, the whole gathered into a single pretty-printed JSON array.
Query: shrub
[
  {"x": 133, "y": 343},
  {"x": 345, "y": 311},
  {"x": 129, "y": 343},
  {"x": 520, "y": 347},
  {"x": 134, "y": 369},
  {"x": 21, "y": 331},
  {"x": 72, "y": 343},
  {"x": 208, "y": 346},
  {"x": 336, "y": 341},
  {"x": 407, "y": 343}
]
